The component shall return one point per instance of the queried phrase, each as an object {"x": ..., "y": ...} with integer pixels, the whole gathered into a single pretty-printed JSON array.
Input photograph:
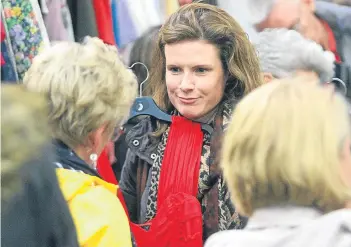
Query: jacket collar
[
  {"x": 284, "y": 216},
  {"x": 69, "y": 160},
  {"x": 144, "y": 145}
]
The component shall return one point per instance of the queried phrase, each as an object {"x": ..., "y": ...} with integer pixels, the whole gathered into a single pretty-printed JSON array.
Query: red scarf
[
  {"x": 332, "y": 41},
  {"x": 104, "y": 167},
  {"x": 178, "y": 222}
]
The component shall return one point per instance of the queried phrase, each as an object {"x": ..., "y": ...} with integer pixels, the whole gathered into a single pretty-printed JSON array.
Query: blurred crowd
[{"x": 226, "y": 124}]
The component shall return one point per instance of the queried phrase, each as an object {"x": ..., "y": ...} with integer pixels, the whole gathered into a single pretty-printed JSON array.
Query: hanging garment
[
  {"x": 160, "y": 7},
  {"x": 151, "y": 14},
  {"x": 171, "y": 7},
  {"x": 39, "y": 18},
  {"x": 127, "y": 28},
  {"x": 24, "y": 32},
  {"x": 44, "y": 7},
  {"x": 83, "y": 19},
  {"x": 178, "y": 222},
  {"x": 8, "y": 71},
  {"x": 67, "y": 20},
  {"x": 3, "y": 35},
  {"x": 115, "y": 24},
  {"x": 58, "y": 21},
  {"x": 136, "y": 12},
  {"x": 104, "y": 21}
]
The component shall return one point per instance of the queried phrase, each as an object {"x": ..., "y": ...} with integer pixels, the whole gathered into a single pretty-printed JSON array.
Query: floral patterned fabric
[{"x": 24, "y": 32}]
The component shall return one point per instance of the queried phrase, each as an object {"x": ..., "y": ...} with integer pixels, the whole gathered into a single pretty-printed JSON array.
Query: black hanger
[{"x": 147, "y": 106}]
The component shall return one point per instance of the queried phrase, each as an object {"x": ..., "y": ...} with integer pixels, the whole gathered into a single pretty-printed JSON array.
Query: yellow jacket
[{"x": 96, "y": 210}]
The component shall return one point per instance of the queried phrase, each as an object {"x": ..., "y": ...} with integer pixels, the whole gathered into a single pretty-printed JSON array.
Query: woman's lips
[{"x": 187, "y": 101}]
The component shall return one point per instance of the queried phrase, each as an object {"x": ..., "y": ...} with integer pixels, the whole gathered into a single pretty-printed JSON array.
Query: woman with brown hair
[{"x": 203, "y": 63}]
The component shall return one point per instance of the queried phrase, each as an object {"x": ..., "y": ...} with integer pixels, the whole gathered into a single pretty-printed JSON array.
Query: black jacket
[
  {"x": 67, "y": 159},
  {"x": 37, "y": 213}
]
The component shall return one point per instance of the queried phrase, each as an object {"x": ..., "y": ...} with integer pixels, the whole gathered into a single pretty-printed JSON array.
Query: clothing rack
[{"x": 30, "y": 25}]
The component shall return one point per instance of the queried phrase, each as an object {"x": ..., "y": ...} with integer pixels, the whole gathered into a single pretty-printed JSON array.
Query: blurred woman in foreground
[
  {"x": 287, "y": 161},
  {"x": 31, "y": 200}
]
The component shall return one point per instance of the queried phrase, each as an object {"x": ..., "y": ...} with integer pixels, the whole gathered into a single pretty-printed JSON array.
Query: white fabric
[
  {"x": 239, "y": 10},
  {"x": 289, "y": 227},
  {"x": 44, "y": 7},
  {"x": 145, "y": 14}
]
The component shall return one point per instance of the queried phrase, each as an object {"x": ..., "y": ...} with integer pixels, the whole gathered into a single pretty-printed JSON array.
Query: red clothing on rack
[{"x": 103, "y": 17}]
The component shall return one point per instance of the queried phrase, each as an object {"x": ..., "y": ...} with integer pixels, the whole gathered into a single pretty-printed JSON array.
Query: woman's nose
[{"x": 187, "y": 83}]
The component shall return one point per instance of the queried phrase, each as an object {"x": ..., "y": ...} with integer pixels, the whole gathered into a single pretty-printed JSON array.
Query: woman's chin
[{"x": 190, "y": 116}]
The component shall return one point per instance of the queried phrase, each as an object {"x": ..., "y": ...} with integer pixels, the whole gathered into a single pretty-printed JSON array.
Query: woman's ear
[
  {"x": 267, "y": 77},
  {"x": 97, "y": 139}
]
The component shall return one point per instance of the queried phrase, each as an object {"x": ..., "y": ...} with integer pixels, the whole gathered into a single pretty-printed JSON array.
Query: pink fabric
[{"x": 3, "y": 36}]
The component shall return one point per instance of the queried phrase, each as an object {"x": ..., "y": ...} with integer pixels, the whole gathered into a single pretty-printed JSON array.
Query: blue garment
[
  {"x": 8, "y": 72},
  {"x": 115, "y": 23}
]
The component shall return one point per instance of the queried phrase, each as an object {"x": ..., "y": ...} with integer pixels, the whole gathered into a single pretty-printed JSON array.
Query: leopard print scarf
[{"x": 211, "y": 183}]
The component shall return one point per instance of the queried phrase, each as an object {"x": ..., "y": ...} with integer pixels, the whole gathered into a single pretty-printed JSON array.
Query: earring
[{"x": 93, "y": 157}]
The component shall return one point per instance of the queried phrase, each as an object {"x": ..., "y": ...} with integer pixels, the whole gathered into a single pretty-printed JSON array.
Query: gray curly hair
[{"x": 282, "y": 52}]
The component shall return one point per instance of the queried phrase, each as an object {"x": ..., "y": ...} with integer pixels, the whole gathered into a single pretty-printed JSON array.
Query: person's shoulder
[
  {"x": 340, "y": 217},
  {"x": 333, "y": 229},
  {"x": 139, "y": 126},
  {"x": 227, "y": 238}
]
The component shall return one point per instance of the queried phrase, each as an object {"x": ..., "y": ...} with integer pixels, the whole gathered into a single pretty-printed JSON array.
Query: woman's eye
[
  {"x": 174, "y": 70},
  {"x": 201, "y": 70}
]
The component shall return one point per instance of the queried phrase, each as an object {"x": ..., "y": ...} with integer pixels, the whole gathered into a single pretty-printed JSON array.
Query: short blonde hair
[
  {"x": 87, "y": 85},
  {"x": 284, "y": 146}
]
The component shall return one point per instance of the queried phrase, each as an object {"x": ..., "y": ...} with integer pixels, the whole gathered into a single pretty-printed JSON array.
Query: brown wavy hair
[{"x": 199, "y": 21}]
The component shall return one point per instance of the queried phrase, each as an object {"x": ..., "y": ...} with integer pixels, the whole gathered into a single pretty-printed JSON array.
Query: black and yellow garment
[{"x": 97, "y": 212}]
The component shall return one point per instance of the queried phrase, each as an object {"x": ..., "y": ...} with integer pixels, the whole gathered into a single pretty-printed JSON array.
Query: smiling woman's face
[{"x": 194, "y": 77}]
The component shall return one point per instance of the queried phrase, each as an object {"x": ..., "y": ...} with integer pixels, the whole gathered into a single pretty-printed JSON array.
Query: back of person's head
[
  {"x": 289, "y": 143},
  {"x": 142, "y": 52},
  {"x": 88, "y": 86},
  {"x": 205, "y": 22},
  {"x": 284, "y": 52}
]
